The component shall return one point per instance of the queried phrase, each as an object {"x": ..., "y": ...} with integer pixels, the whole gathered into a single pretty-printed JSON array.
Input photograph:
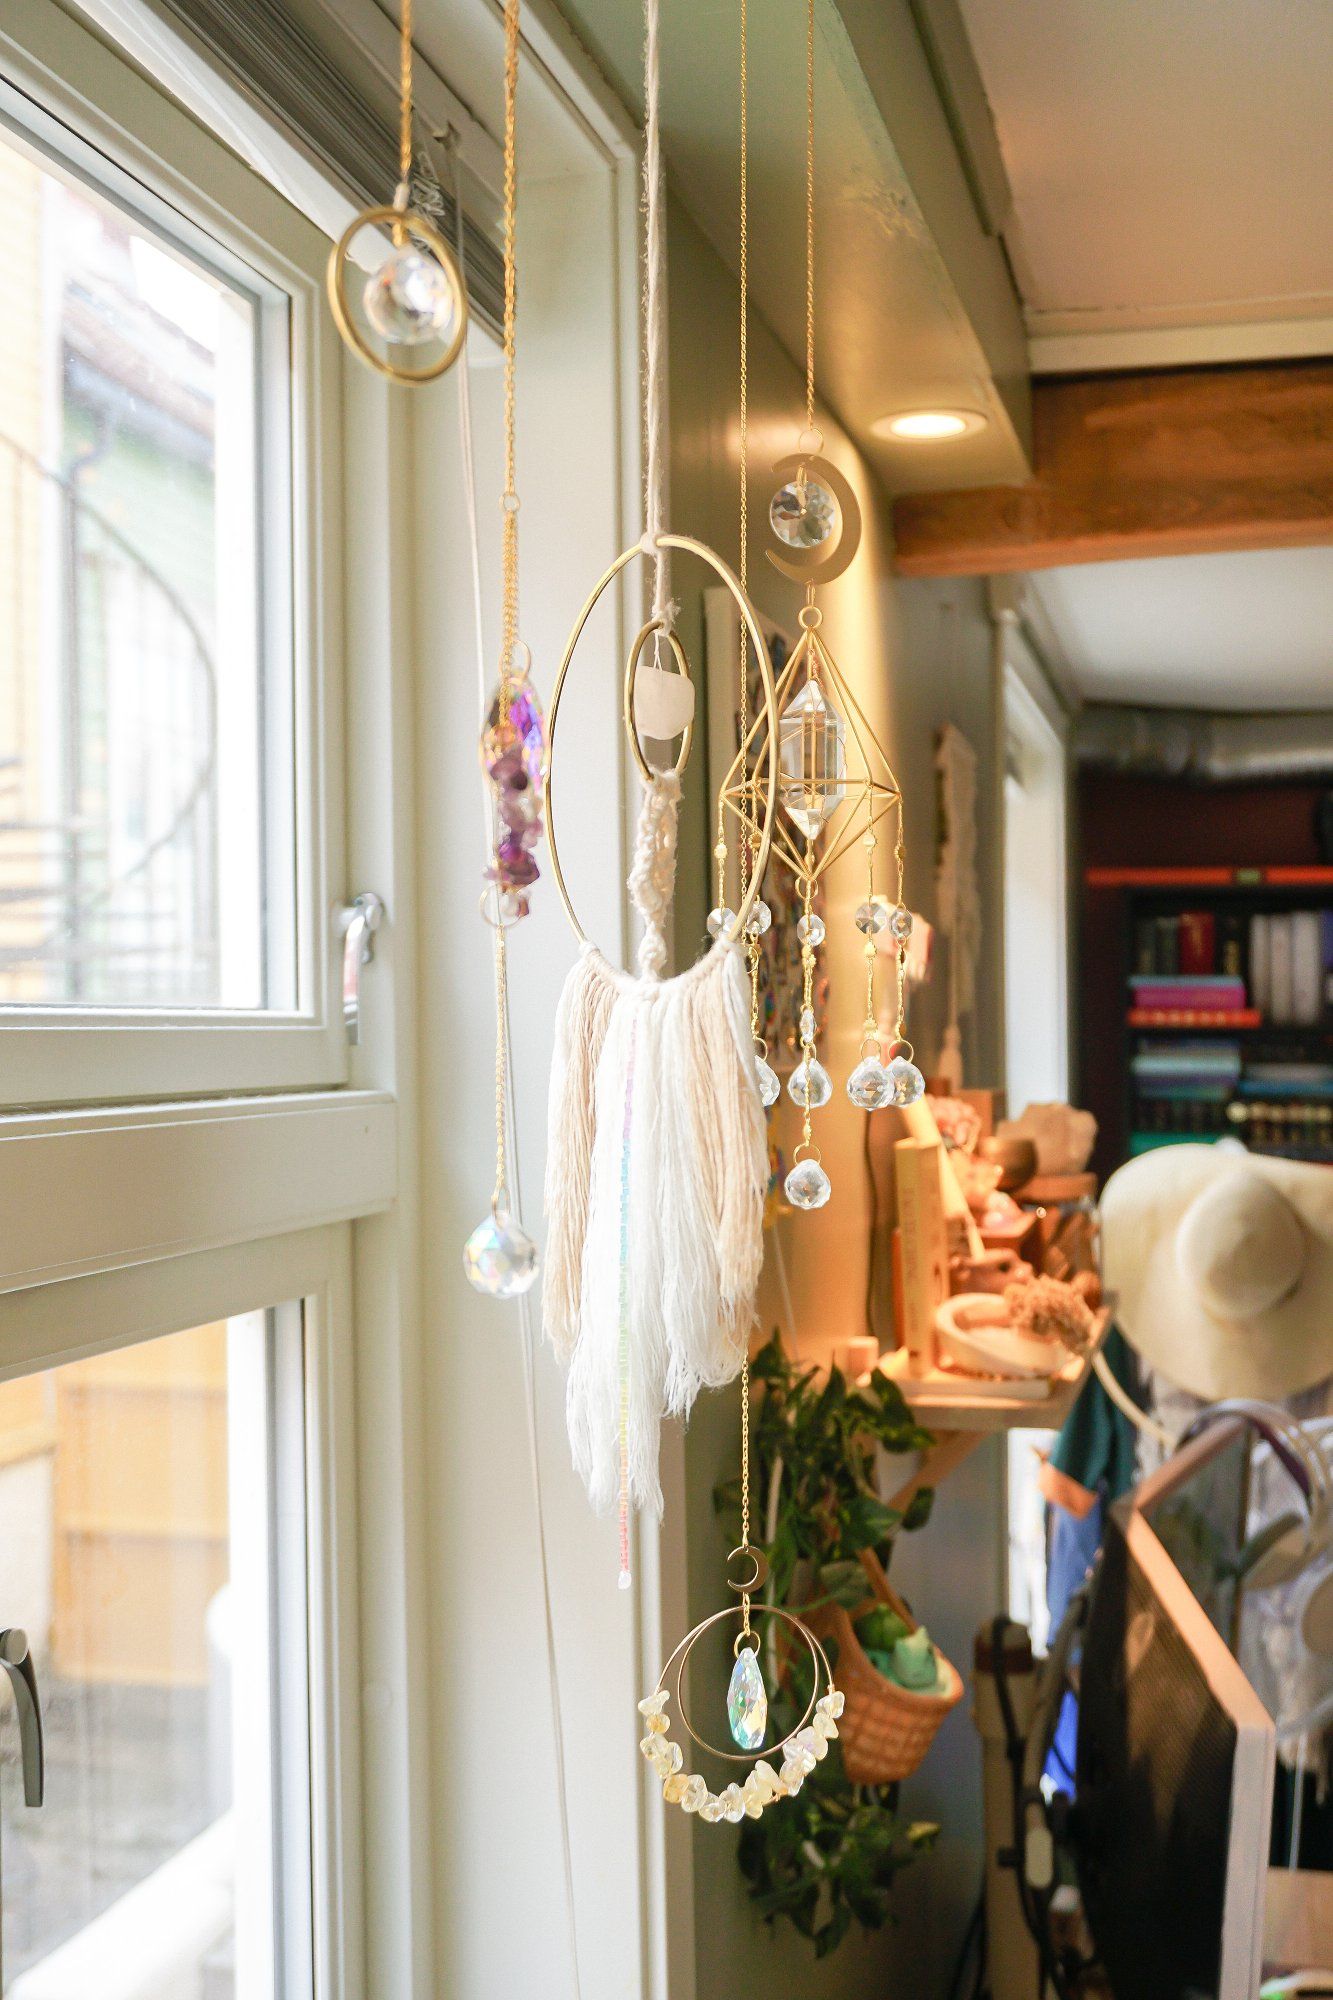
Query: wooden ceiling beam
[{"x": 1181, "y": 462}]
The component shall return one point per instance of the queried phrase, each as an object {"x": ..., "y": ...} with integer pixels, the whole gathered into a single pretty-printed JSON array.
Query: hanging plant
[{"x": 830, "y": 1858}]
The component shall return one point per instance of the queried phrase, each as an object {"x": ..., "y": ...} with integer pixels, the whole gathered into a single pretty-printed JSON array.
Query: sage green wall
[{"x": 917, "y": 654}]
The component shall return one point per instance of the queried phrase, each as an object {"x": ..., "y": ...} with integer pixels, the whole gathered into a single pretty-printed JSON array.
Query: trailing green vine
[{"x": 830, "y": 1857}]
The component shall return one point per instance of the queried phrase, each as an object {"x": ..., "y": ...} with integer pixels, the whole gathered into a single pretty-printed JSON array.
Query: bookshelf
[{"x": 1221, "y": 986}]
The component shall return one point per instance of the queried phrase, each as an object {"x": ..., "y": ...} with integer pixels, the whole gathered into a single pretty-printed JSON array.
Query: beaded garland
[{"x": 764, "y": 1786}]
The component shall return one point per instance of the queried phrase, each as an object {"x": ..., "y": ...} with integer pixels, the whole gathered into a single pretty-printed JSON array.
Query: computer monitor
[{"x": 1176, "y": 1753}]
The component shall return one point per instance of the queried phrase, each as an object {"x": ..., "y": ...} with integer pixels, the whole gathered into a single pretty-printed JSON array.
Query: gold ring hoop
[
  {"x": 688, "y": 546},
  {"x": 680, "y": 1660},
  {"x": 415, "y": 224},
  {"x": 655, "y": 625}
]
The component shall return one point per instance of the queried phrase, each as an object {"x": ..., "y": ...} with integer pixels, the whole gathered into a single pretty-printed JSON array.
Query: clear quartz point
[
  {"x": 870, "y": 1086},
  {"x": 807, "y": 1185},
  {"x": 770, "y": 1089},
  {"x": 747, "y": 1701},
  {"x": 817, "y": 1086},
  {"x": 907, "y": 1080},
  {"x": 803, "y": 514},
  {"x": 500, "y": 1258},
  {"x": 409, "y": 298},
  {"x": 721, "y": 922},
  {"x": 871, "y": 918},
  {"x": 812, "y": 753},
  {"x": 810, "y": 930}
]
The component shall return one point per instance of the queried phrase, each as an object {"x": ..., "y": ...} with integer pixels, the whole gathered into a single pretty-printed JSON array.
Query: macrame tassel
[
  {"x": 580, "y": 1030},
  {"x": 674, "y": 1212}
]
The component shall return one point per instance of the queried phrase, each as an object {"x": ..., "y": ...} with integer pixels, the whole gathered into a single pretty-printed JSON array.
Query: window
[
  {"x": 169, "y": 810},
  {"x": 158, "y": 1567}
]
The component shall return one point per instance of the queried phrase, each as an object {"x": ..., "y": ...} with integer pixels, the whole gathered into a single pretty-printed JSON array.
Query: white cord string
[
  {"x": 654, "y": 308},
  {"x": 529, "y": 1342}
]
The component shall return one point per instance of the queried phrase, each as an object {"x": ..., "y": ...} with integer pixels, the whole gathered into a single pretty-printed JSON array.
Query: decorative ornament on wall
[
  {"x": 500, "y": 1257},
  {"x": 414, "y": 300},
  {"x": 835, "y": 783}
]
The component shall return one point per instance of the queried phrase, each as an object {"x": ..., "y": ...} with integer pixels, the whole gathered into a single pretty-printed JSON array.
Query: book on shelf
[
  {"x": 1196, "y": 950},
  {"x": 1195, "y": 1017},
  {"x": 1201, "y": 990}
]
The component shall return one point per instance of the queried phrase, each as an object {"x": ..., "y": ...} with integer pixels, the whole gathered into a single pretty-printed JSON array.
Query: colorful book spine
[
  {"x": 1198, "y": 941},
  {"x": 1194, "y": 1017},
  {"x": 1217, "y": 994}
]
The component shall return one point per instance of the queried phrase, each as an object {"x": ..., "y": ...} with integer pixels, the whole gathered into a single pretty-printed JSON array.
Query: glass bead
[
  {"x": 900, "y": 924},
  {"x": 810, "y": 930},
  {"x": 625, "y": 1580},
  {"x": 807, "y": 1024},
  {"x": 907, "y": 1080},
  {"x": 812, "y": 755},
  {"x": 758, "y": 920},
  {"x": 870, "y": 1086},
  {"x": 871, "y": 918},
  {"x": 721, "y": 922},
  {"x": 803, "y": 513},
  {"x": 810, "y": 1086},
  {"x": 747, "y": 1701},
  {"x": 807, "y": 1186},
  {"x": 770, "y": 1088},
  {"x": 500, "y": 1258},
  {"x": 409, "y": 299}
]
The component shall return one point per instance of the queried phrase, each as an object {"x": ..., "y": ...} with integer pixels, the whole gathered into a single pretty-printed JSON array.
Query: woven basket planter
[{"x": 884, "y": 1730}]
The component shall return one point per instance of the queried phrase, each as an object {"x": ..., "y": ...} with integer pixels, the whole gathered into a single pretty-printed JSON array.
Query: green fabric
[{"x": 1097, "y": 1446}]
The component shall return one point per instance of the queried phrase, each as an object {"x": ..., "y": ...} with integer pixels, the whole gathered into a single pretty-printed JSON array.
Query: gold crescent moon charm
[
  {"x": 760, "y": 1577},
  {"x": 821, "y": 564}
]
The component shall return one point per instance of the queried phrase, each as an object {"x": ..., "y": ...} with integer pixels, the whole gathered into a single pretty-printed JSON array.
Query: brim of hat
[{"x": 1274, "y": 1353}]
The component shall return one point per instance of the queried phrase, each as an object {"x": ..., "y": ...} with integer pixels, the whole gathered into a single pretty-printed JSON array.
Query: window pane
[
  {"x": 140, "y": 1549},
  {"x": 140, "y": 859}
]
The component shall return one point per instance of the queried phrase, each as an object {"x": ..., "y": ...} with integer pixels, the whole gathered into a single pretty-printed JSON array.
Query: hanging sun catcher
[
  {"x": 500, "y": 1258},
  {"x": 835, "y": 784},
  {"x": 415, "y": 300}
]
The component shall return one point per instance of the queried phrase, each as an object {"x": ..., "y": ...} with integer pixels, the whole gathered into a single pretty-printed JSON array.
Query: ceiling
[
  {"x": 1249, "y": 632},
  {"x": 1172, "y": 174}
]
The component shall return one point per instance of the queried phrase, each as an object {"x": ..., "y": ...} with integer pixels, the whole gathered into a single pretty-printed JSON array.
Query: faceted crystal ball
[
  {"x": 500, "y": 1258},
  {"x": 870, "y": 1086},
  {"x": 871, "y": 918},
  {"x": 907, "y": 1080},
  {"x": 818, "y": 1086},
  {"x": 747, "y": 1701},
  {"x": 409, "y": 299},
  {"x": 810, "y": 930},
  {"x": 807, "y": 1185},
  {"x": 803, "y": 514},
  {"x": 770, "y": 1089}
]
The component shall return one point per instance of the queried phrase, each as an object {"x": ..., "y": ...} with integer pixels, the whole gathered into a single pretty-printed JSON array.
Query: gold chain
[
  {"x": 810, "y": 214},
  {"x": 509, "y": 500},
  {"x": 752, "y": 943},
  {"x": 900, "y": 856},
  {"x": 405, "y": 95}
]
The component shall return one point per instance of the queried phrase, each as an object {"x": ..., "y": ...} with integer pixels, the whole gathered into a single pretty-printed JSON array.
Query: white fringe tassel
[{"x": 654, "y": 1102}]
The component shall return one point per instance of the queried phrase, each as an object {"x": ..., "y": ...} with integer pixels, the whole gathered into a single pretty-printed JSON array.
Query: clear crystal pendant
[
  {"x": 900, "y": 924},
  {"x": 812, "y": 752},
  {"x": 409, "y": 298},
  {"x": 870, "y": 1086},
  {"x": 807, "y": 1185},
  {"x": 747, "y": 1701},
  {"x": 810, "y": 930},
  {"x": 770, "y": 1088},
  {"x": 803, "y": 514},
  {"x": 500, "y": 1258},
  {"x": 871, "y": 918},
  {"x": 907, "y": 1080},
  {"x": 810, "y": 1081},
  {"x": 721, "y": 922},
  {"x": 758, "y": 920}
]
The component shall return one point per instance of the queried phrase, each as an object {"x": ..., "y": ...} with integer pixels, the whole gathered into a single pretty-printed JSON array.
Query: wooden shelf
[
  {"x": 1282, "y": 876},
  {"x": 944, "y": 1401}
]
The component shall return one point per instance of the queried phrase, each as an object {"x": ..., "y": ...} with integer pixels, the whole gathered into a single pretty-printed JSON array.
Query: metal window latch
[
  {"x": 358, "y": 920},
  {"x": 16, "y": 1660}
]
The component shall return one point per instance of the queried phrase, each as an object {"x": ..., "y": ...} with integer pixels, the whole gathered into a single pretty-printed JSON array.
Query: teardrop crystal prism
[
  {"x": 500, "y": 1258},
  {"x": 747, "y": 1703},
  {"x": 807, "y": 1185},
  {"x": 812, "y": 753},
  {"x": 907, "y": 1080},
  {"x": 770, "y": 1088},
  {"x": 817, "y": 1086},
  {"x": 870, "y": 1086}
]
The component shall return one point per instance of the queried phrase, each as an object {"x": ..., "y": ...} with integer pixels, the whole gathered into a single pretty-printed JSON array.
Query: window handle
[
  {"x": 358, "y": 920},
  {"x": 17, "y": 1663}
]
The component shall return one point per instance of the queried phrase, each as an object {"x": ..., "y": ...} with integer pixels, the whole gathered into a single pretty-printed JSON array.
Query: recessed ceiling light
[{"x": 929, "y": 426}]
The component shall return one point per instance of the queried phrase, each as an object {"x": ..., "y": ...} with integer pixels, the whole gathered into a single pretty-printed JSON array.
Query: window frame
[
  {"x": 118, "y": 131},
  {"x": 313, "y": 1269}
]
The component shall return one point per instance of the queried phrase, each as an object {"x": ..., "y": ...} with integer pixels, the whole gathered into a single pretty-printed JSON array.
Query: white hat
[{"x": 1221, "y": 1267}]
